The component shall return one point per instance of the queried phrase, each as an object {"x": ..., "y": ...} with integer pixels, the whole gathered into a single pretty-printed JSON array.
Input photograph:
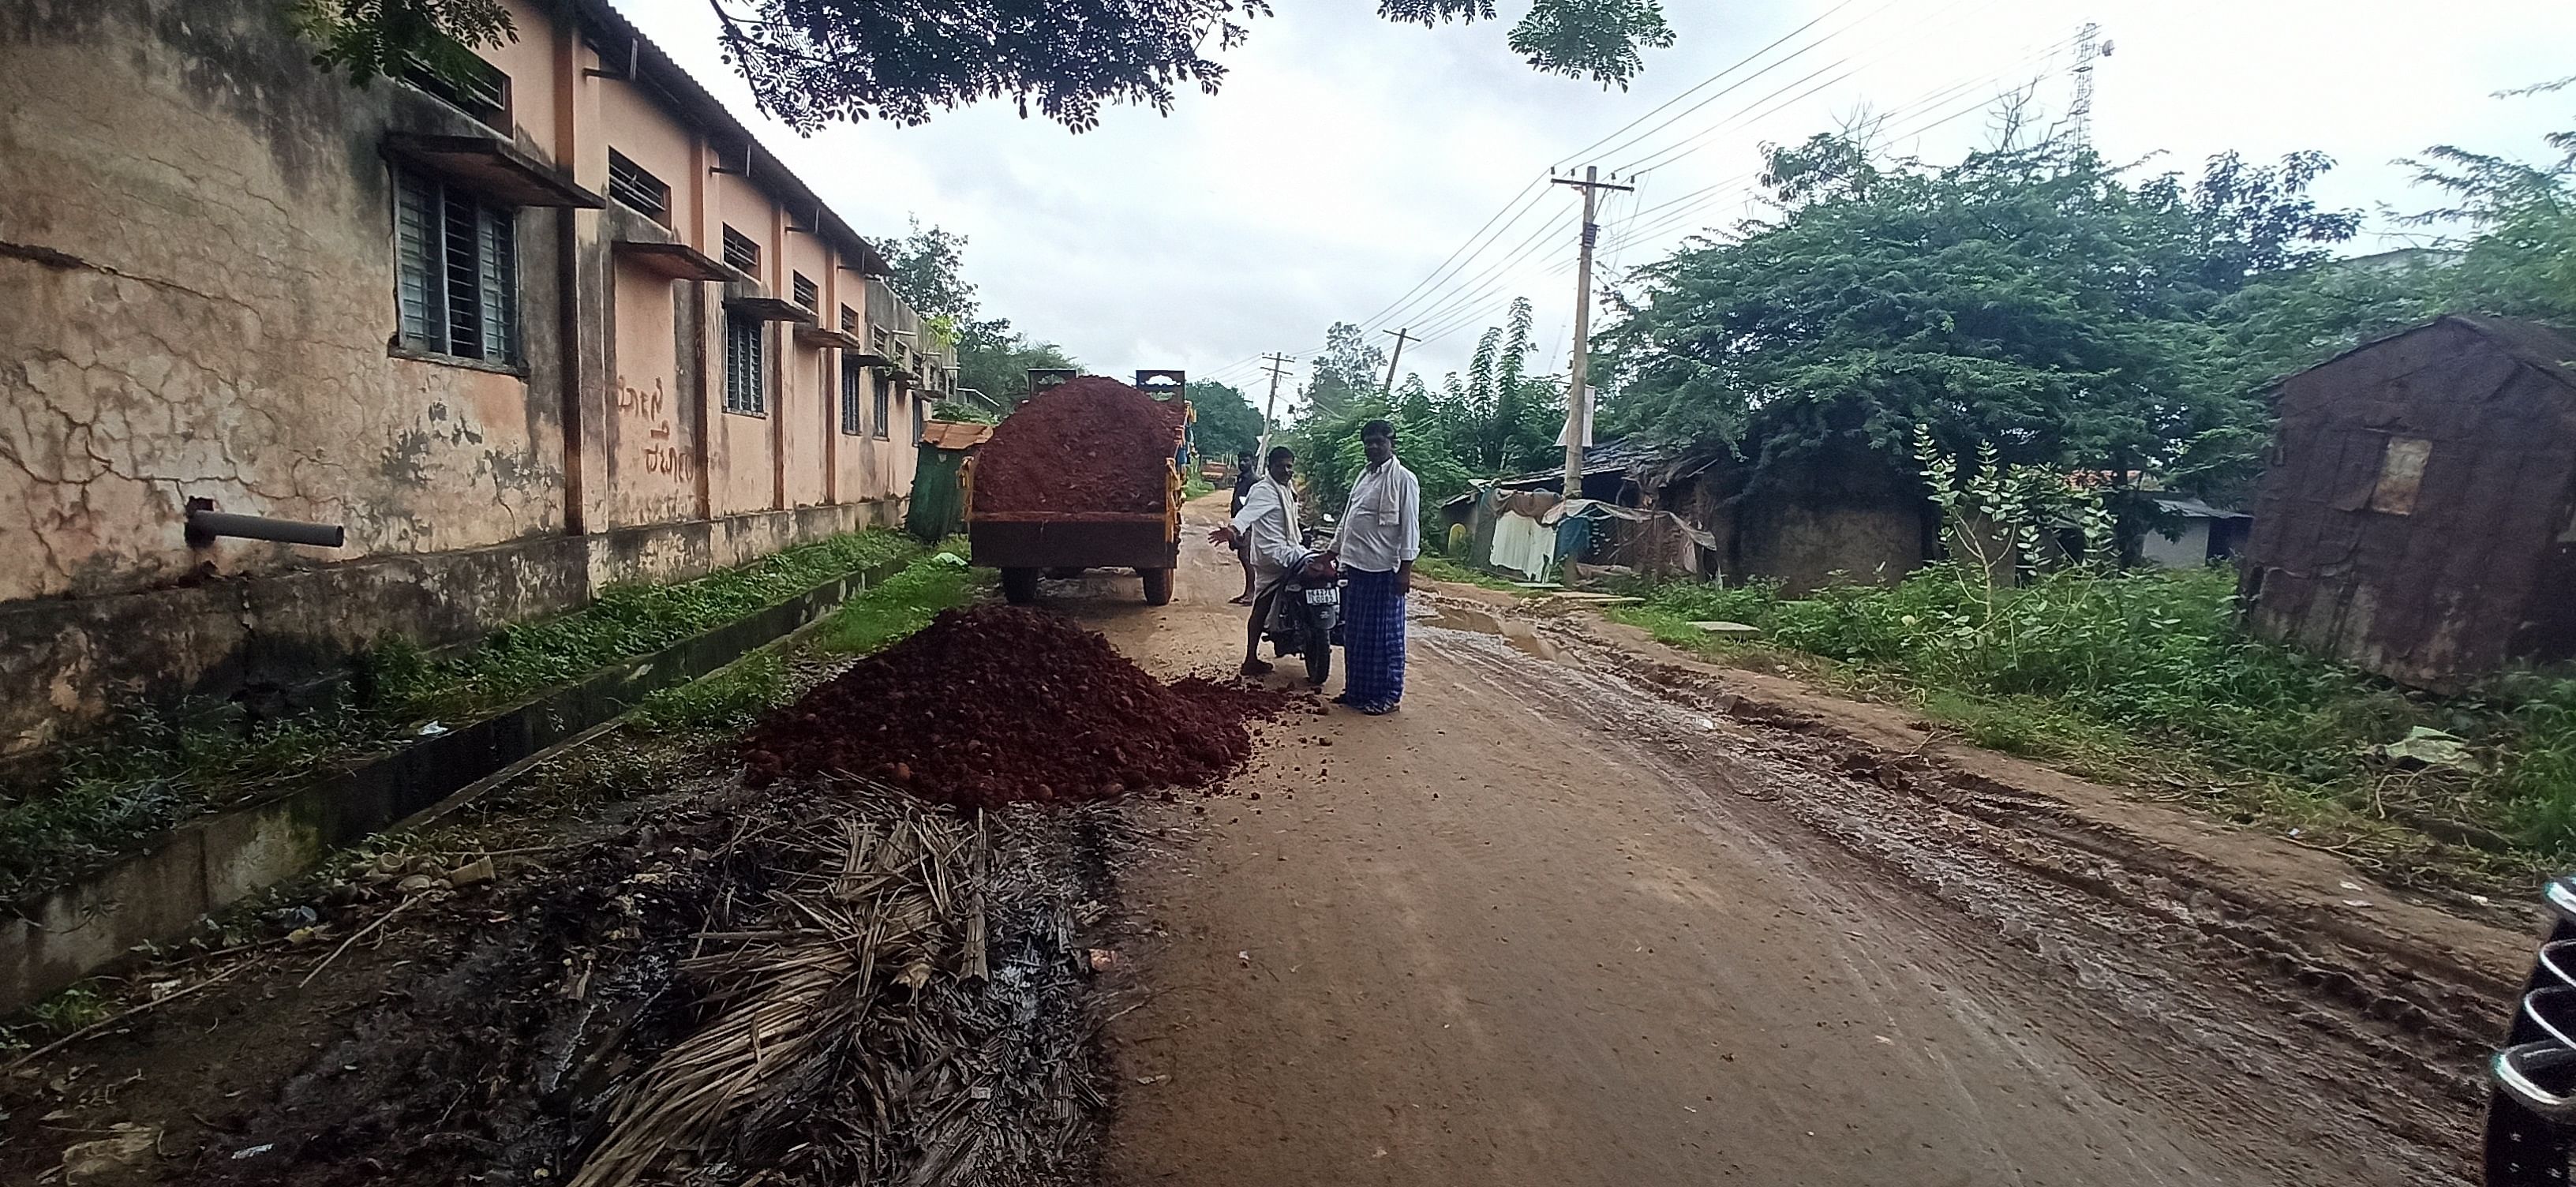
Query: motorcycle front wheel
[{"x": 1319, "y": 658}]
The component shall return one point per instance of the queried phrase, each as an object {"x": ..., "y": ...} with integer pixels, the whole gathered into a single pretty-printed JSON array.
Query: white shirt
[
  {"x": 1383, "y": 527},
  {"x": 1269, "y": 521}
]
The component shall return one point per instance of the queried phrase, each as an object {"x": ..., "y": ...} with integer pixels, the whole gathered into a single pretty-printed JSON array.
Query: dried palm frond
[{"x": 900, "y": 1003}]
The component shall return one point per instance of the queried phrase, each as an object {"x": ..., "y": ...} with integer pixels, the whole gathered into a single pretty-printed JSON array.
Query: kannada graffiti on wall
[{"x": 650, "y": 408}]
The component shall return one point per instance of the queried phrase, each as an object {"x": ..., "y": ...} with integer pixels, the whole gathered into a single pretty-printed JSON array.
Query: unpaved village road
[{"x": 1542, "y": 927}]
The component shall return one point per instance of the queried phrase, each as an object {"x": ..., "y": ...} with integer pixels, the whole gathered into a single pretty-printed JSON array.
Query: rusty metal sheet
[{"x": 2408, "y": 522}]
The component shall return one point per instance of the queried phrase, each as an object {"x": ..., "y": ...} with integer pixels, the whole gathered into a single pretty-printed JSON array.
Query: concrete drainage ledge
[{"x": 57, "y": 937}]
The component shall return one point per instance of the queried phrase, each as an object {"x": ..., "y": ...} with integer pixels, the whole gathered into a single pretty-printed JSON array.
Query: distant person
[
  {"x": 1264, "y": 532},
  {"x": 1381, "y": 533},
  {"x": 1245, "y": 474}
]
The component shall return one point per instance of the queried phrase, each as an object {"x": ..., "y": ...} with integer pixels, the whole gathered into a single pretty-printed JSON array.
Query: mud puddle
[{"x": 2266, "y": 1032}]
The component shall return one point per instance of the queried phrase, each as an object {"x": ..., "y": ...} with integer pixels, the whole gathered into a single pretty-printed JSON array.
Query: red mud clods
[
  {"x": 997, "y": 704},
  {"x": 1089, "y": 445}
]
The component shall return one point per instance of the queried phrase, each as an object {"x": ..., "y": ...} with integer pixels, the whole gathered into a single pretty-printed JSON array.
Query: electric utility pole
[
  {"x": 1401, "y": 337},
  {"x": 2089, "y": 46},
  {"x": 1578, "y": 397},
  {"x": 1270, "y": 414}
]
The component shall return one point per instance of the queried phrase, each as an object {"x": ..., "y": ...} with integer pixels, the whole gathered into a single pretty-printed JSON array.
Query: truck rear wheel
[
  {"x": 1158, "y": 585},
  {"x": 1019, "y": 586}
]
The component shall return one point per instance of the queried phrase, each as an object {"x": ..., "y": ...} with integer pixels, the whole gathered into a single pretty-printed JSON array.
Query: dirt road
[{"x": 1548, "y": 926}]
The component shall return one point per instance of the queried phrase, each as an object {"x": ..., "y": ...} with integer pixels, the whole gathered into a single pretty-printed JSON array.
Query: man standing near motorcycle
[
  {"x": 1381, "y": 533},
  {"x": 1266, "y": 526},
  {"x": 1246, "y": 472}
]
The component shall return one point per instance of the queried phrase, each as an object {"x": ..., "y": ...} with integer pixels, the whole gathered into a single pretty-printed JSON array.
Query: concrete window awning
[
  {"x": 769, "y": 309},
  {"x": 492, "y": 167},
  {"x": 842, "y": 340},
  {"x": 679, "y": 261}
]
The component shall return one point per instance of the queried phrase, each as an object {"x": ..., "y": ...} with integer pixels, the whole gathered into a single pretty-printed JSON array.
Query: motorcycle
[
  {"x": 2531, "y": 1107},
  {"x": 1306, "y": 616}
]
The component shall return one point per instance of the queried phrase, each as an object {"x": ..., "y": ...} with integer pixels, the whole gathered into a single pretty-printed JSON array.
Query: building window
[
  {"x": 852, "y": 424},
  {"x": 472, "y": 85},
  {"x": 884, "y": 405},
  {"x": 2401, "y": 475},
  {"x": 456, "y": 275},
  {"x": 637, "y": 189},
  {"x": 806, "y": 294},
  {"x": 746, "y": 371},
  {"x": 920, "y": 415},
  {"x": 741, "y": 253},
  {"x": 849, "y": 320}
]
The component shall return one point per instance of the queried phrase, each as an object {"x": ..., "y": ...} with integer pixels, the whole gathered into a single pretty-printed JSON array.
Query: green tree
[
  {"x": 811, "y": 62},
  {"x": 1228, "y": 423},
  {"x": 2028, "y": 298},
  {"x": 2513, "y": 221},
  {"x": 1348, "y": 370},
  {"x": 928, "y": 270},
  {"x": 995, "y": 359},
  {"x": 929, "y": 273},
  {"x": 1330, "y": 456}
]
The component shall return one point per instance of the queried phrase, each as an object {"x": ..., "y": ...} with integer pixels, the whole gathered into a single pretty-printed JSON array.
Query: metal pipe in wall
[{"x": 205, "y": 525}]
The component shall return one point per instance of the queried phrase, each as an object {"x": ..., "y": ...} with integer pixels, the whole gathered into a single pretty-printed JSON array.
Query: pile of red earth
[
  {"x": 1086, "y": 446},
  {"x": 997, "y": 704}
]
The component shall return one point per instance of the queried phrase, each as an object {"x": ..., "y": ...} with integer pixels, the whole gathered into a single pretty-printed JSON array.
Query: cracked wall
[
  {"x": 195, "y": 238},
  {"x": 197, "y": 301}
]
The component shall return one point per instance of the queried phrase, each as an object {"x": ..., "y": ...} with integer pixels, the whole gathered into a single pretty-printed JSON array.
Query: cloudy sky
[{"x": 1347, "y": 162}]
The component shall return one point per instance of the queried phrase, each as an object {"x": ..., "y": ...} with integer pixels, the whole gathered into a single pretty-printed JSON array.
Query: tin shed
[{"x": 2418, "y": 518}]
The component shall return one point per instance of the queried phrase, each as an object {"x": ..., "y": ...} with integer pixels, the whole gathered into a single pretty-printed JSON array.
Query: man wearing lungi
[{"x": 1381, "y": 533}]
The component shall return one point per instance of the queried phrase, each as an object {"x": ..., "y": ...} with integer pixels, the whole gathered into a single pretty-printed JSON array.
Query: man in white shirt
[
  {"x": 1381, "y": 533},
  {"x": 1266, "y": 528}
]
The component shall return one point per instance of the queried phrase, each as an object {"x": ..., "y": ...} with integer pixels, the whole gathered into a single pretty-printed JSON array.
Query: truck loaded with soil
[{"x": 1081, "y": 476}]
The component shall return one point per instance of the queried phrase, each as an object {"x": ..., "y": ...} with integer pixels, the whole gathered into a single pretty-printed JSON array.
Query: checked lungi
[{"x": 1373, "y": 640}]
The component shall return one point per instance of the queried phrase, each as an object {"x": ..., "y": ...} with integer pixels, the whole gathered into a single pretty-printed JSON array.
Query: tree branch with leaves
[{"x": 817, "y": 62}]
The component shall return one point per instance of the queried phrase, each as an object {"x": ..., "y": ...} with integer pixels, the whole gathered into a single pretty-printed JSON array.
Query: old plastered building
[{"x": 566, "y": 325}]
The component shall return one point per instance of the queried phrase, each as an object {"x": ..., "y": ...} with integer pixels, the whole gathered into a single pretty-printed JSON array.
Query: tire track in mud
[{"x": 2325, "y": 1062}]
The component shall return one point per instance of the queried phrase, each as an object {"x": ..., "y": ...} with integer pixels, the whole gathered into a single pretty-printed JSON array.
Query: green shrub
[
  {"x": 158, "y": 767},
  {"x": 729, "y": 699},
  {"x": 905, "y": 603},
  {"x": 2152, "y": 661}
]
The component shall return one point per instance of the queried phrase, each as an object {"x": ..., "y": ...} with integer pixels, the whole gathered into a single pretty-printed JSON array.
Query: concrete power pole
[
  {"x": 1401, "y": 337},
  {"x": 1578, "y": 396},
  {"x": 1270, "y": 414}
]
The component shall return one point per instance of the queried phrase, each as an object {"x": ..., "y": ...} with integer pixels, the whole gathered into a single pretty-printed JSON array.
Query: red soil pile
[
  {"x": 997, "y": 704},
  {"x": 1089, "y": 445}
]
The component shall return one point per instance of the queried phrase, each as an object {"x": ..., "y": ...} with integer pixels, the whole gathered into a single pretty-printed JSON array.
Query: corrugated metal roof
[
  {"x": 2530, "y": 342},
  {"x": 1607, "y": 457},
  {"x": 2194, "y": 508}
]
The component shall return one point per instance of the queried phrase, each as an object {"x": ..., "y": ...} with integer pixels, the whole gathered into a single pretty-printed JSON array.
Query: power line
[
  {"x": 1530, "y": 190},
  {"x": 1498, "y": 273},
  {"x": 1419, "y": 313},
  {"x": 1451, "y": 298},
  {"x": 1595, "y": 148},
  {"x": 1696, "y": 142},
  {"x": 1683, "y": 206}
]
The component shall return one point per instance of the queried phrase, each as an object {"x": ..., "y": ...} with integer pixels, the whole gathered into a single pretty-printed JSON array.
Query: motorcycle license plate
[{"x": 1327, "y": 596}]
